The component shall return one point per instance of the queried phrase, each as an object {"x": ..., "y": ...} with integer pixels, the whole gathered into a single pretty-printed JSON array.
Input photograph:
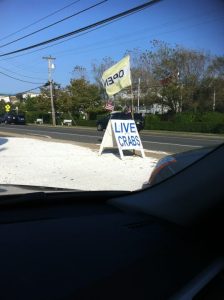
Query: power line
[
  {"x": 125, "y": 13},
  {"x": 20, "y": 67},
  {"x": 39, "y": 87},
  {"x": 7, "y": 70},
  {"x": 53, "y": 24},
  {"x": 19, "y": 79},
  {"x": 138, "y": 33},
  {"x": 55, "y": 44},
  {"x": 74, "y": 2},
  {"x": 119, "y": 37}
]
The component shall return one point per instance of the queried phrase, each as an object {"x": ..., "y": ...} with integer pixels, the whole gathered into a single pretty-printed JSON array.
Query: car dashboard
[{"x": 77, "y": 246}]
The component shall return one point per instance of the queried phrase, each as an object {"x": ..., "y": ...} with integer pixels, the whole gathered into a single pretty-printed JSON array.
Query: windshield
[{"x": 108, "y": 95}]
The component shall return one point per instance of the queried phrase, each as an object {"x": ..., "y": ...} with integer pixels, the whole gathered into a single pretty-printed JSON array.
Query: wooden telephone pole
[{"x": 50, "y": 67}]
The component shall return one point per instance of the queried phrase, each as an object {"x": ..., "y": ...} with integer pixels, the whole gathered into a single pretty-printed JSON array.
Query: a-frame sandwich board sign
[{"x": 122, "y": 134}]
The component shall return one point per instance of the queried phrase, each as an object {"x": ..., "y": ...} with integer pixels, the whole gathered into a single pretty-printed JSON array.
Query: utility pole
[
  {"x": 139, "y": 80},
  {"x": 50, "y": 67},
  {"x": 213, "y": 106},
  {"x": 214, "y": 94},
  {"x": 132, "y": 102},
  {"x": 181, "y": 97}
]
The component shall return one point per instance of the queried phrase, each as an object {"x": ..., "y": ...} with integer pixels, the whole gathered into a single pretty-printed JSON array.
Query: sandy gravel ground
[{"x": 37, "y": 162}]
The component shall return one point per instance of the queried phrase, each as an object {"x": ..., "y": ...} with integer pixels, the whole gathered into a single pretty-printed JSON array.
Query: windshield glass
[{"x": 108, "y": 95}]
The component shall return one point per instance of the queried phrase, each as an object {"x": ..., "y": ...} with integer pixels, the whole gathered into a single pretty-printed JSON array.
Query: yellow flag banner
[{"x": 117, "y": 77}]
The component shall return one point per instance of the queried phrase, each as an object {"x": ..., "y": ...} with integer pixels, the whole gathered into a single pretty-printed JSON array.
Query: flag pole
[
  {"x": 132, "y": 100},
  {"x": 132, "y": 107},
  {"x": 132, "y": 95}
]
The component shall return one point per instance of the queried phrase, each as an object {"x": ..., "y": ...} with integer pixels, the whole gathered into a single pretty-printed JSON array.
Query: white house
[
  {"x": 157, "y": 108},
  {"x": 31, "y": 95},
  {"x": 5, "y": 98}
]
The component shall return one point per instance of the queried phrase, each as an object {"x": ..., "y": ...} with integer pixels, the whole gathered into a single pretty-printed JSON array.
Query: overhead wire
[
  {"x": 161, "y": 33},
  {"x": 74, "y": 49},
  {"x": 29, "y": 67},
  {"x": 119, "y": 37},
  {"x": 41, "y": 19},
  {"x": 124, "y": 13},
  {"x": 36, "y": 88},
  {"x": 20, "y": 79},
  {"x": 138, "y": 33},
  {"x": 58, "y": 43},
  {"x": 7, "y": 70},
  {"x": 53, "y": 24}
]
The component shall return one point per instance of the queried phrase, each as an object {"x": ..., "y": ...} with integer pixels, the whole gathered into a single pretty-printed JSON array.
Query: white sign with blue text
[{"x": 124, "y": 135}]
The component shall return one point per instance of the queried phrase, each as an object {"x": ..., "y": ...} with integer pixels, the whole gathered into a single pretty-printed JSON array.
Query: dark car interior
[{"x": 164, "y": 242}]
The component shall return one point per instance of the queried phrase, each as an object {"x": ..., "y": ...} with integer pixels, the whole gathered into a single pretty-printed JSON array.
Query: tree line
[{"x": 182, "y": 80}]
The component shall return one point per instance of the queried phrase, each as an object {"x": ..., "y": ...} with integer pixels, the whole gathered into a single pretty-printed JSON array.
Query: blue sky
[{"x": 195, "y": 24}]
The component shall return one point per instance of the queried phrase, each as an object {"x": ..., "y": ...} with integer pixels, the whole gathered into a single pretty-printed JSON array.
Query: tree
[
  {"x": 141, "y": 68},
  {"x": 20, "y": 97},
  {"x": 178, "y": 72},
  {"x": 98, "y": 70},
  {"x": 215, "y": 82},
  {"x": 182, "y": 79},
  {"x": 82, "y": 96},
  {"x": 79, "y": 72},
  {"x": 2, "y": 107}
]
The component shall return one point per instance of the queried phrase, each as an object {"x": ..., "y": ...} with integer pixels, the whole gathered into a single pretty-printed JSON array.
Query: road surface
[{"x": 151, "y": 140}]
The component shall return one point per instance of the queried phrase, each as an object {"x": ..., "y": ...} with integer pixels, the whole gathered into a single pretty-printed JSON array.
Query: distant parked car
[
  {"x": 119, "y": 115},
  {"x": 10, "y": 118}
]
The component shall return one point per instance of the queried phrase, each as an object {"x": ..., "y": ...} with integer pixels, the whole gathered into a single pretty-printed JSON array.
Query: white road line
[
  {"x": 193, "y": 146},
  {"x": 187, "y": 138},
  {"x": 42, "y": 135},
  {"x": 54, "y": 132},
  {"x": 95, "y": 136}
]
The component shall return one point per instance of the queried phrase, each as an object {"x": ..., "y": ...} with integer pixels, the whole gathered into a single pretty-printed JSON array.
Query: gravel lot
[{"x": 36, "y": 162}]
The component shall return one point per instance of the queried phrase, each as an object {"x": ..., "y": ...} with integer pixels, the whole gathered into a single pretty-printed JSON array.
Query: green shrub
[
  {"x": 214, "y": 117},
  {"x": 205, "y": 127},
  {"x": 219, "y": 128},
  {"x": 184, "y": 117},
  {"x": 89, "y": 123},
  {"x": 31, "y": 117},
  {"x": 151, "y": 119},
  {"x": 210, "y": 122}
]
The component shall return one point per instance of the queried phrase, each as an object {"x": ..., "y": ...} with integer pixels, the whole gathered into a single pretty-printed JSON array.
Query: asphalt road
[{"x": 155, "y": 141}]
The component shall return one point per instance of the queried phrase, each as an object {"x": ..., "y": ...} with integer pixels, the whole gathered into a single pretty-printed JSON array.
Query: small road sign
[{"x": 7, "y": 107}]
